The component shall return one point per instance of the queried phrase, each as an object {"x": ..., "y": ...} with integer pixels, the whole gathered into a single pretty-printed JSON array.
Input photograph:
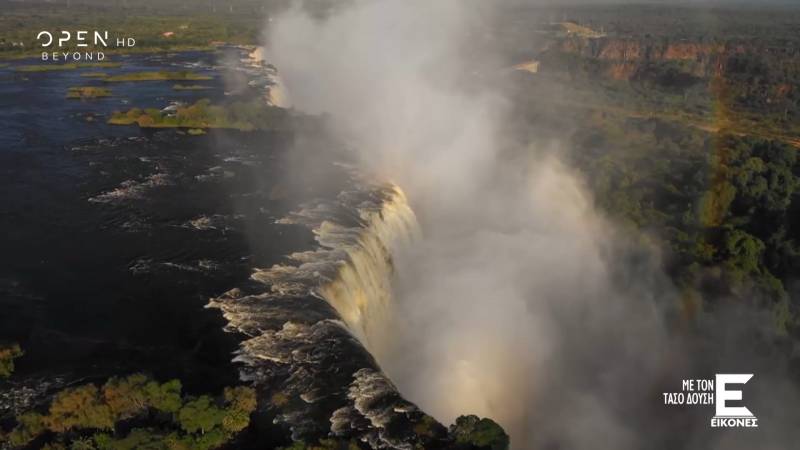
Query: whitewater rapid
[
  {"x": 311, "y": 333},
  {"x": 315, "y": 325}
]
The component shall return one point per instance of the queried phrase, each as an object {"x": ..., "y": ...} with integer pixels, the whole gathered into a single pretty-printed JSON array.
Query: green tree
[
  {"x": 200, "y": 415},
  {"x": 164, "y": 397},
  {"x": 126, "y": 396},
  {"x": 137, "y": 439},
  {"x": 80, "y": 407},
  {"x": 324, "y": 444},
  {"x": 30, "y": 425},
  {"x": 715, "y": 204},
  {"x": 743, "y": 253},
  {"x": 8, "y": 353},
  {"x": 240, "y": 403},
  {"x": 82, "y": 443},
  {"x": 204, "y": 423},
  {"x": 482, "y": 433}
]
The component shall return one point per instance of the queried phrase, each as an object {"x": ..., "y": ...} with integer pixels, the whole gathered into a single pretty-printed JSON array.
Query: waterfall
[
  {"x": 352, "y": 268},
  {"x": 361, "y": 291},
  {"x": 276, "y": 92},
  {"x": 313, "y": 332}
]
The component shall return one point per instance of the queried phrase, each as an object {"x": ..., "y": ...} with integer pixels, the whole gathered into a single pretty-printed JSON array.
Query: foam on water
[
  {"x": 312, "y": 333},
  {"x": 133, "y": 189}
]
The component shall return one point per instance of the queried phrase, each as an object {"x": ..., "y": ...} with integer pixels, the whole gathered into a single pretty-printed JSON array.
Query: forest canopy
[{"x": 135, "y": 412}]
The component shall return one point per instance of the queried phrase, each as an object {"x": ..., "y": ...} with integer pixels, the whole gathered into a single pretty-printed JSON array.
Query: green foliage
[
  {"x": 724, "y": 205},
  {"x": 80, "y": 407},
  {"x": 196, "y": 423},
  {"x": 8, "y": 353},
  {"x": 715, "y": 203},
  {"x": 182, "y": 75},
  {"x": 84, "y": 92},
  {"x": 324, "y": 444},
  {"x": 137, "y": 439},
  {"x": 245, "y": 116},
  {"x": 481, "y": 433},
  {"x": 200, "y": 415},
  {"x": 103, "y": 441},
  {"x": 241, "y": 402},
  {"x": 82, "y": 443},
  {"x": 427, "y": 426},
  {"x": 241, "y": 398},
  {"x": 743, "y": 254},
  {"x": 30, "y": 425},
  {"x": 126, "y": 396},
  {"x": 164, "y": 397},
  {"x": 210, "y": 439}
]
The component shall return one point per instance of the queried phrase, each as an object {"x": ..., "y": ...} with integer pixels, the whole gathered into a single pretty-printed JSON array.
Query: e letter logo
[{"x": 731, "y": 416}]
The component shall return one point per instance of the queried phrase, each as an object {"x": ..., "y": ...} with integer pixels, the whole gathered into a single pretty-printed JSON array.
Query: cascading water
[
  {"x": 361, "y": 292},
  {"x": 306, "y": 335},
  {"x": 352, "y": 269}
]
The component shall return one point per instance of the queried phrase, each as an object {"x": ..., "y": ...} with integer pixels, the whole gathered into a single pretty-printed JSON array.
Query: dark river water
[{"x": 114, "y": 238}]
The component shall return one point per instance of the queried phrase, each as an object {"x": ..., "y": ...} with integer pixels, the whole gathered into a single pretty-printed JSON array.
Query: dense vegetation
[
  {"x": 725, "y": 205},
  {"x": 324, "y": 444},
  {"x": 686, "y": 124},
  {"x": 135, "y": 412},
  {"x": 245, "y": 116},
  {"x": 473, "y": 432},
  {"x": 8, "y": 353}
]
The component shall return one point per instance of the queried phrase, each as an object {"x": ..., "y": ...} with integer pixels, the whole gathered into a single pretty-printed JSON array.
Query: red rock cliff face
[
  {"x": 621, "y": 50},
  {"x": 685, "y": 51},
  {"x": 627, "y": 55},
  {"x": 622, "y": 71},
  {"x": 630, "y": 49}
]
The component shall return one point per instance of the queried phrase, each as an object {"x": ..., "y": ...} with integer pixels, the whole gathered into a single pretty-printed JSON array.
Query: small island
[
  {"x": 182, "y": 75},
  {"x": 243, "y": 116},
  {"x": 94, "y": 74},
  {"x": 190, "y": 87},
  {"x": 84, "y": 92}
]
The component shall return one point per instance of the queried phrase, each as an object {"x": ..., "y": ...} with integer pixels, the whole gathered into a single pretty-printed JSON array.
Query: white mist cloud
[
  {"x": 512, "y": 248},
  {"x": 508, "y": 306}
]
